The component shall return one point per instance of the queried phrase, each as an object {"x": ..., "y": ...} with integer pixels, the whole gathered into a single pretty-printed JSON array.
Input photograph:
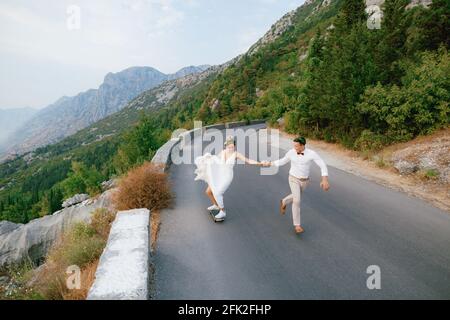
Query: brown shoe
[
  {"x": 299, "y": 230},
  {"x": 282, "y": 208}
]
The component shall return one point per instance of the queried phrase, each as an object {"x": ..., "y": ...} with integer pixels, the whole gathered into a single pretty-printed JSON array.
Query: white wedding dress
[{"x": 216, "y": 172}]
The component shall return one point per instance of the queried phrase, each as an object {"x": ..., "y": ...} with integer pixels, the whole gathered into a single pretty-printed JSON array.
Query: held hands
[
  {"x": 325, "y": 184},
  {"x": 265, "y": 164}
]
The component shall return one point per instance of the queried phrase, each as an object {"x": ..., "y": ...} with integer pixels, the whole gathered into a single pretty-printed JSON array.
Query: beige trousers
[{"x": 297, "y": 188}]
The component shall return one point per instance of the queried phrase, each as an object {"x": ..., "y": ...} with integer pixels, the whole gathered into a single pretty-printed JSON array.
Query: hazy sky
[{"x": 44, "y": 55}]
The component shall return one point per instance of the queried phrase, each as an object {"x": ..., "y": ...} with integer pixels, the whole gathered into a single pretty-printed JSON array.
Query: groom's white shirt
[{"x": 301, "y": 164}]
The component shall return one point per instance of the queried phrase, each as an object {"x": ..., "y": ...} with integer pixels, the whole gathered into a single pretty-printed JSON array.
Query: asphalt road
[{"x": 255, "y": 254}]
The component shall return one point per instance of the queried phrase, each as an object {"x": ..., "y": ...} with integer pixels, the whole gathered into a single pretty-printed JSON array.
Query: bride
[{"x": 217, "y": 172}]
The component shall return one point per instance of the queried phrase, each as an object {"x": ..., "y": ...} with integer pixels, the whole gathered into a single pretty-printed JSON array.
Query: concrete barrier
[
  {"x": 162, "y": 156},
  {"x": 215, "y": 126},
  {"x": 253, "y": 122},
  {"x": 232, "y": 125},
  {"x": 123, "y": 270}
]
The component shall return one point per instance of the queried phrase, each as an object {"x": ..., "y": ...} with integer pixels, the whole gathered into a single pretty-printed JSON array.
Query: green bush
[
  {"x": 420, "y": 106},
  {"x": 369, "y": 141}
]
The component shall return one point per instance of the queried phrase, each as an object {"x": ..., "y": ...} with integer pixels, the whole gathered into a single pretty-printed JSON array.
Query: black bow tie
[{"x": 301, "y": 153}]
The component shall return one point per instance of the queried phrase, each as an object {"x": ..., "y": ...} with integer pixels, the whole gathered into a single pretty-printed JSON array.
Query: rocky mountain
[
  {"x": 188, "y": 71},
  {"x": 275, "y": 31},
  {"x": 68, "y": 115},
  {"x": 150, "y": 100},
  {"x": 412, "y": 3},
  {"x": 11, "y": 120}
]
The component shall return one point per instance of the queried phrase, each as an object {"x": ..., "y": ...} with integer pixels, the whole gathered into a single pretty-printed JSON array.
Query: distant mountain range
[
  {"x": 11, "y": 120},
  {"x": 68, "y": 115}
]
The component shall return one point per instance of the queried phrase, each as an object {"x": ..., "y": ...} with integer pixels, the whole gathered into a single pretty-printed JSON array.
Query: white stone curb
[{"x": 123, "y": 270}]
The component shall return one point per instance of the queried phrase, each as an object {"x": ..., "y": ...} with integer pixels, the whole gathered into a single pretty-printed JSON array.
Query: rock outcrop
[
  {"x": 374, "y": 3},
  {"x": 110, "y": 184},
  {"x": 415, "y": 3},
  {"x": 215, "y": 105},
  {"x": 412, "y": 4},
  {"x": 34, "y": 239},
  {"x": 275, "y": 31},
  {"x": 430, "y": 156},
  {"x": 76, "y": 199},
  {"x": 7, "y": 227}
]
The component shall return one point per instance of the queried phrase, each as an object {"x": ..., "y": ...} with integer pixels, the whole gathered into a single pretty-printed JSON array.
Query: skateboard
[{"x": 213, "y": 214}]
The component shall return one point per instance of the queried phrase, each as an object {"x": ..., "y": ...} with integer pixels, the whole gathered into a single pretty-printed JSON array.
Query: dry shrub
[
  {"x": 101, "y": 221},
  {"x": 155, "y": 224},
  {"x": 87, "y": 280},
  {"x": 143, "y": 187},
  {"x": 51, "y": 282}
]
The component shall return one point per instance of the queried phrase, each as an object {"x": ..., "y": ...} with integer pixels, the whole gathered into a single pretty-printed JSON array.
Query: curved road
[{"x": 256, "y": 255}]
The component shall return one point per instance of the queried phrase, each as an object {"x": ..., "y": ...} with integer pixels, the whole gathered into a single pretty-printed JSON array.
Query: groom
[{"x": 300, "y": 159}]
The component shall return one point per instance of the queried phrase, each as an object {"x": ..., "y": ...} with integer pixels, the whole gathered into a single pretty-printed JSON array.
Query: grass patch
[
  {"x": 381, "y": 163},
  {"x": 366, "y": 154},
  {"x": 430, "y": 174}
]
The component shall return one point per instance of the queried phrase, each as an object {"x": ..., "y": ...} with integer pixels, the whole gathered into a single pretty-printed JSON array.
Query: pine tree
[
  {"x": 353, "y": 13},
  {"x": 315, "y": 54},
  {"x": 434, "y": 24},
  {"x": 393, "y": 39},
  {"x": 35, "y": 195},
  {"x": 55, "y": 200}
]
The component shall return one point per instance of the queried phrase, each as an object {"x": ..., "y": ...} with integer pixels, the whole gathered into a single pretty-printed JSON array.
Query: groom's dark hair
[{"x": 300, "y": 140}]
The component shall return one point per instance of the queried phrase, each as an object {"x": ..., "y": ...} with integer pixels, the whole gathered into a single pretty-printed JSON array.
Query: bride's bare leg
[{"x": 210, "y": 195}]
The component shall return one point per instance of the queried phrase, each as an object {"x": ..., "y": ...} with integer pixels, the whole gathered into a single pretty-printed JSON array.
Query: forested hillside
[
  {"x": 327, "y": 74},
  {"x": 355, "y": 86}
]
